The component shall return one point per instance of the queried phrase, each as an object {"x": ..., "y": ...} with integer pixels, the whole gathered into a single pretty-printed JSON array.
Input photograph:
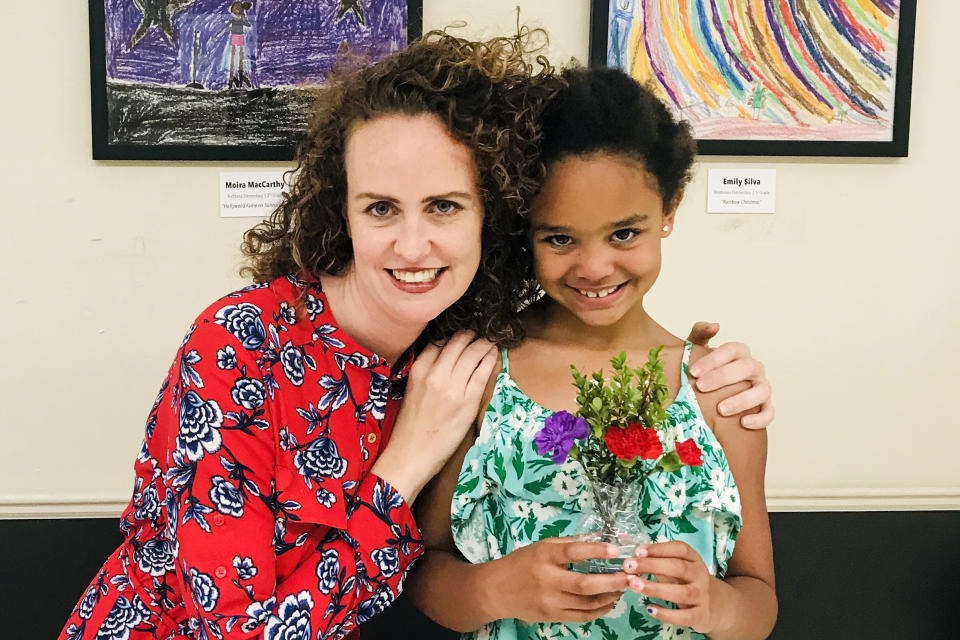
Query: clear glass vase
[{"x": 614, "y": 518}]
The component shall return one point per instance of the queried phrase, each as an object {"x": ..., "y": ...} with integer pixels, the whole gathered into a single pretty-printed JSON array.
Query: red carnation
[
  {"x": 689, "y": 453},
  {"x": 633, "y": 441}
]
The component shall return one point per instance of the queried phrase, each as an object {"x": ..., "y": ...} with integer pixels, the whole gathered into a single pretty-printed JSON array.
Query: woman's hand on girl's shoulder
[
  {"x": 442, "y": 397},
  {"x": 726, "y": 365}
]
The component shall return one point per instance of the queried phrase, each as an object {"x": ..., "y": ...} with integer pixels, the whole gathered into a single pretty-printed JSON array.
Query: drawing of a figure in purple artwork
[
  {"x": 238, "y": 22},
  {"x": 352, "y": 6},
  {"x": 157, "y": 13}
]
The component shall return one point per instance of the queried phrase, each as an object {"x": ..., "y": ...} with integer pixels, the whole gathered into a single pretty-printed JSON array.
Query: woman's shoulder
[{"x": 258, "y": 314}]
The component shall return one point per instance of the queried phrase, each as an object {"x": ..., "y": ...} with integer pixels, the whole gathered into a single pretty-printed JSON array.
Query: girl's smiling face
[{"x": 596, "y": 228}]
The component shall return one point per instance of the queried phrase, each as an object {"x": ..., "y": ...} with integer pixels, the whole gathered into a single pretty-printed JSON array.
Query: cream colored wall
[{"x": 848, "y": 292}]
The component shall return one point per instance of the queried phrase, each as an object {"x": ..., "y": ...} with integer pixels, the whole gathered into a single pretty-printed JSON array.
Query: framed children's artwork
[
  {"x": 770, "y": 77},
  {"x": 222, "y": 79}
]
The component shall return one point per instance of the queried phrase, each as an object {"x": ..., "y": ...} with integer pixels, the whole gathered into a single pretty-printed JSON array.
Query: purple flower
[{"x": 558, "y": 433}]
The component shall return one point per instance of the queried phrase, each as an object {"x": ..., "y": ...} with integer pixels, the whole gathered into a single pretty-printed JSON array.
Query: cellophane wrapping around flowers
[{"x": 619, "y": 437}]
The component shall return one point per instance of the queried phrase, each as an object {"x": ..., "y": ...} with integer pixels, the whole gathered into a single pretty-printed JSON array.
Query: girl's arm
[
  {"x": 531, "y": 583},
  {"x": 743, "y": 605}
]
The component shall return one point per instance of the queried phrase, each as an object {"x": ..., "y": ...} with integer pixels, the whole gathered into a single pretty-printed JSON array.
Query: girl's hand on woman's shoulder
[
  {"x": 442, "y": 398},
  {"x": 728, "y": 364}
]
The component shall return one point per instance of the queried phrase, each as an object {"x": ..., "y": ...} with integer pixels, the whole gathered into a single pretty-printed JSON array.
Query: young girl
[
  {"x": 238, "y": 22},
  {"x": 617, "y": 163}
]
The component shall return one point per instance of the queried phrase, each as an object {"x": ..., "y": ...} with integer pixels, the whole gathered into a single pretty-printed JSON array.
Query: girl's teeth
[
  {"x": 424, "y": 275},
  {"x": 603, "y": 293}
]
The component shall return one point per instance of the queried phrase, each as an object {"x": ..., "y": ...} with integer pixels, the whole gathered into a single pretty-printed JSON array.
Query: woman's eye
[
  {"x": 625, "y": 235},
  {"x": 558, "y": 241},
  {"x": 446, "y": 207},
  {"x": 379, "y": 209}
]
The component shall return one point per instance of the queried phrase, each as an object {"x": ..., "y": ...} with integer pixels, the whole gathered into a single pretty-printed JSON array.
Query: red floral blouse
[{"x": 254, "y": 512}]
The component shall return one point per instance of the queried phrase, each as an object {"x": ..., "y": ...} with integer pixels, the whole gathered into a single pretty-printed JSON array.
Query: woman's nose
[{"x": 413, "y": 240}]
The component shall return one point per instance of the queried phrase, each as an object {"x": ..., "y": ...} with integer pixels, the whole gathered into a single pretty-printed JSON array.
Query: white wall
[{"x": 847, "y": 293}]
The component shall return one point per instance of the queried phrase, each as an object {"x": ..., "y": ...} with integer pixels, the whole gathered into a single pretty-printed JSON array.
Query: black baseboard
[{"x": 870, "y": 575}]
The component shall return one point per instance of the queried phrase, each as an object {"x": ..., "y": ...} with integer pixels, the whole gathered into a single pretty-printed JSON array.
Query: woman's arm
[
  {"x": 222, "y": 507},
  {"x": 729, "y": 363}
]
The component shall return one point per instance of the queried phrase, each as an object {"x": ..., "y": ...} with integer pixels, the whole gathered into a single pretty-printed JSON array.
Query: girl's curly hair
[
  {"x": 490, "y": 99},
  {"x": 601, "y": 110}
]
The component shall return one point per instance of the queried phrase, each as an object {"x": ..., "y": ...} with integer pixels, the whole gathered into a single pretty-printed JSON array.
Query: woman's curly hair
[{"x": 490, "y": 99}]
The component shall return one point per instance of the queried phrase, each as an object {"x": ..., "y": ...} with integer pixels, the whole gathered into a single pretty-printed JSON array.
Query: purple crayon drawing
[{"x": 220, "y": 73}]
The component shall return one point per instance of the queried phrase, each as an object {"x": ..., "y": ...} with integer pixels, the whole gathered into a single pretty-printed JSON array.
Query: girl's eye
[
  {"x": 379, "y": 209},
  {"x": 446, "y": 207},
  {"x": 558, "y": 240},
  {"x": 625, "y": 235}
]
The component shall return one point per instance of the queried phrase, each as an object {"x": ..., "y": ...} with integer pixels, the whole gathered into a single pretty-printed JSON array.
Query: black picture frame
[
  {"x": 104, "y": 149},
  {"x": 898, "y": 146}
]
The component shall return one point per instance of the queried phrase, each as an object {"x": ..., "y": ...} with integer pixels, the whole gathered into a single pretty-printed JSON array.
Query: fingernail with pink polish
[
  {"x": 641, "y": 552},
  {"x": 636, "y": 584}
]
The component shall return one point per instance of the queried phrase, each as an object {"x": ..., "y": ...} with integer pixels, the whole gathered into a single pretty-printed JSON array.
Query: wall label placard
[
  {"x": 250, "y": 193},
  {"x": 741, "y": 191}
]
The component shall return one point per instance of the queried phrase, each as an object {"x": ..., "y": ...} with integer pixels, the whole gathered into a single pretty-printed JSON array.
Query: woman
[
  {"x": 268, "y": 502},
  {"x": 266, "y": 496}
]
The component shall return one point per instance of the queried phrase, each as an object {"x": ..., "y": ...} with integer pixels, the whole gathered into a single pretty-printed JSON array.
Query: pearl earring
[{"x": 666, "y": 228}]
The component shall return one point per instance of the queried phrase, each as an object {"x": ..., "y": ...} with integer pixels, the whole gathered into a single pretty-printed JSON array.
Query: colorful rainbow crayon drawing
[{"x": 765, "y": 69}]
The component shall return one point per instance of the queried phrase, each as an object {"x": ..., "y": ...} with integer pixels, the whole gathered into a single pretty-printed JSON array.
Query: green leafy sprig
[{"x": 615, "y": 405}]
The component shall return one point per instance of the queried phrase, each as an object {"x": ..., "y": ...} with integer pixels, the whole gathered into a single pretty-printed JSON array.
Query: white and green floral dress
[{"x": 509, "y": 496}]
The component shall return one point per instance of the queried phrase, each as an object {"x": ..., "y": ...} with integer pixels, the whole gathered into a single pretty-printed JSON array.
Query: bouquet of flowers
[{"x": 620, "y": 435}]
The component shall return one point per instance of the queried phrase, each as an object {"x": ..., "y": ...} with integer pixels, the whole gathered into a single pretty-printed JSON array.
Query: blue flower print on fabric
[
  {"x": 321, "y": 459},
  {"x": 326, "y": 498},
  {"x": 245, "y": 567},
  {"x": 124, "y": 616},
  {"x": 379, "y": 392},
  {"x": 380, "y": 601},
  {"x": 205, "y": 592},
  {"x": 386, "y": 560},
  {"x": 155, "y": 556},
  {"x": 243, "y": 321},
  {"x": 292, "y": 360},
  {"x": 287, "y": 313},
  {"x": 148, "y": 504},
  {"x": 258, "y": 613},
  {"x": 200, "y": 423},
  {"x": 227, "y": 358},
  {"x": 226, "y": 497},
  {"x": 292, "y": 621},
  {"x": 249, "y": 393},
  {"x": 338, "y": 391},
  {"x": 314, "y": 306},
  {"x": 89, "y": 600},
  {"x": 328, "y": 571}
]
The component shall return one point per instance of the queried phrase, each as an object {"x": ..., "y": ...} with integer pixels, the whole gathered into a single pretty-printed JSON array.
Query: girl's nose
[{"x": 594, "y": 264}]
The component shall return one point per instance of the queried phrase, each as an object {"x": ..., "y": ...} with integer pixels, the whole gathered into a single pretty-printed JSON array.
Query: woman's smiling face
[
  {"x": 414, "y": 213},
  {"x": 596, "y": 228}
]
